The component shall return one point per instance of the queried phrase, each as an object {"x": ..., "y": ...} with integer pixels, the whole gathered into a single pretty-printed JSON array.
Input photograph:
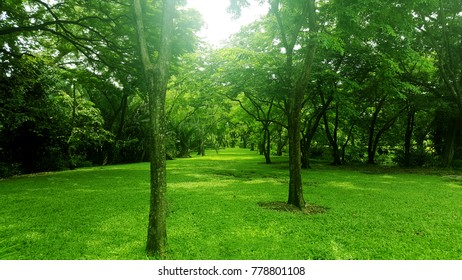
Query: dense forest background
[{"x": 384, "y": 86}]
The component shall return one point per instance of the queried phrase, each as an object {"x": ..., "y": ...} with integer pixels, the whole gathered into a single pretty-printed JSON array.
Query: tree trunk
[
  {"x": 267, "y": 144},
  {"x": 332, "y": 138},
  {"x": 296, "y": 89},
  {"x": 374, "y": 139},
  {"x": 310, "y": 130},
  {"x": 306, "y": 141},
  {"x": 244, "y": 142},
  {"x": 295, "y": 182},
  {"x": 305, "y": 150},
  {"x": 350, "y": 134},
  {"x": 449, "y": 146},
  {"x": 201, "y": 147},
  {"x": 156, "y": 78},
  {"x": 335, "y": 147},
  {"x": 111, "y": 153},
  {"x": 371, "y": 148},
  {"x": 261, "y": 148},
  {"x": 70, "y": 148},
  {"x": 408, "y": 136},
  {"x": 281, "y": 143},
  {"x": 295, "y": 102}
]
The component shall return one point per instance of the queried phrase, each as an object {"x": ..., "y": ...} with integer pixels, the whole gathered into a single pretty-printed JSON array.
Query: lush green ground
[{"x": 101, "y": 213}]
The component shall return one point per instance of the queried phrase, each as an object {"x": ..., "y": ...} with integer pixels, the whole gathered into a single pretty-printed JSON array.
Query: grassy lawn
[{"x": 214, "y": 212}]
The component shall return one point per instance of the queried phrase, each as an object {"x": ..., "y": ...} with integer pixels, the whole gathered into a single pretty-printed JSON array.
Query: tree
[
  {"x": 439, "y": 26},
  {"x": 294, "y": 20},
  {"x": 310, "y": 124},
  {"x": 295, "y": 29},
  {"x": 156, "y": 76}
]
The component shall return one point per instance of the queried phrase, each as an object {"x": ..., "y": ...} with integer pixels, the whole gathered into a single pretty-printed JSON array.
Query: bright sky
[{"x": 219, "y": 25}]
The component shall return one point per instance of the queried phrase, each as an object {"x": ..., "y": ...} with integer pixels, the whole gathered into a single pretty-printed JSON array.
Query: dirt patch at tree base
[{"x": 309, "y": 209}]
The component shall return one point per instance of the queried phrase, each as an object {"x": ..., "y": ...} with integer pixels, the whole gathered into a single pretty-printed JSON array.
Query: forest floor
[{"x": 228, "y": 206}]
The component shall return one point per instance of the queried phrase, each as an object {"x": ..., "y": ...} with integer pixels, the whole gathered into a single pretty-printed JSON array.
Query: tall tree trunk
[
  {"x": 156, "y": 78},
  {"x": 295, "y": 102},
  {"x": 296, "y": 86}
]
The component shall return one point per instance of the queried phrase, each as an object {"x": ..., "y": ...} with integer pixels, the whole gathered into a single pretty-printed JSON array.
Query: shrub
[
  {"x": 417, "y": 158},
  {"x": 8, "y": 170}
]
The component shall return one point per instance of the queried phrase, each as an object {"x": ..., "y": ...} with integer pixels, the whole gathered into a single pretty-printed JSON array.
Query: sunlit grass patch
[{"x": 215, "y": 212}]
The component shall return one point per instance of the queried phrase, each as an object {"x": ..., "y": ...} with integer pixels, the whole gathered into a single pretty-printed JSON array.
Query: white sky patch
[
  {"x": 3, "y": 16},
  {"x": 219, "y": 25}
]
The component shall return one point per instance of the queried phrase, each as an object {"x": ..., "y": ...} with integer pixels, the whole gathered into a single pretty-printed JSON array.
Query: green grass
[{"x": 214, "y": 212}]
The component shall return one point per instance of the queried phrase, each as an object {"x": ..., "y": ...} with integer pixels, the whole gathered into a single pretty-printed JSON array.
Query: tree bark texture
[
  {"x": 295, "y": 102},
  {"x": 295, "y": 165},
  {"x": 156, "y": 79}
]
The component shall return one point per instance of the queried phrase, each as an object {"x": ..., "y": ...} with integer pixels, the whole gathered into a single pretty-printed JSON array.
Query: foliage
[
  {"x": 29, "y": 131},
  {"x": 196, "y": 115},
  {"x": 86, "y": 123},
  {"x": 40, "y": 121},
  {"x": 95, "y": 44},
  {"x": 417, "y": 159},
  {"x": 376, "y": 61}
]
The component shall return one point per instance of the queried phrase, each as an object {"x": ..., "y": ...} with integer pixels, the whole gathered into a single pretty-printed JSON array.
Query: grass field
[{"x": 215, "y": 212}]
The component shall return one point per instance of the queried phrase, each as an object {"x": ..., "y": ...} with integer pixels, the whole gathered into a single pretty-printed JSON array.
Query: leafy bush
[
  {"x": 417, "y": 158},
  {"x": 8, "y": 170}
]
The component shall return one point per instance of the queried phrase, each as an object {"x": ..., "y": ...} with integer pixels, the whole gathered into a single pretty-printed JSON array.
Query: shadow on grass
[{"x": 309, "y": 209}]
